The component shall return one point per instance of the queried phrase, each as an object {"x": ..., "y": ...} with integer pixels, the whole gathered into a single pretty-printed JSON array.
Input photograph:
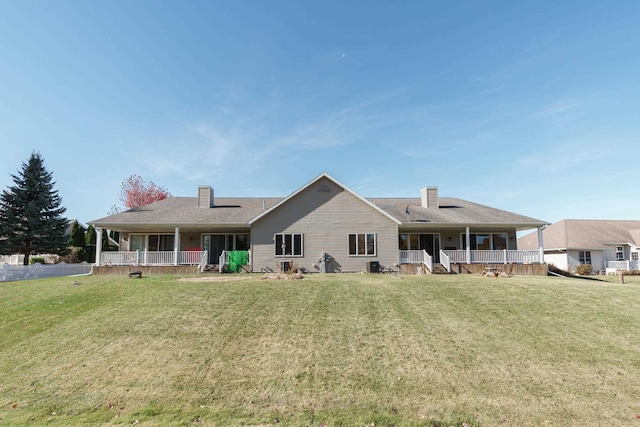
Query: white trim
[
  {"x": 292, "y": 255},
  {"x": 327, "y": 176}
]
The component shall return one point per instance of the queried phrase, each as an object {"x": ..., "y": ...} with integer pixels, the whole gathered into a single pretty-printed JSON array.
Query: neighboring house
[
  {"x": 604, "y": 244},
  {"x": 321, "y": 227}
]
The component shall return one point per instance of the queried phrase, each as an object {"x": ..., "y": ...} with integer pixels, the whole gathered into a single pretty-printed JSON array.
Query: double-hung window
[
  {"x": 289, "y": 244},
  {"x": 362, "y": 244},
  {"x": 584, "y": 257},
  {"x": 619, "y": 253}
]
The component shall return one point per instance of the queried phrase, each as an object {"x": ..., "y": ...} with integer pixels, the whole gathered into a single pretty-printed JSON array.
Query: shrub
[
  {"x": 34, "y": 259},
  {"x": 584, "y": 269}
]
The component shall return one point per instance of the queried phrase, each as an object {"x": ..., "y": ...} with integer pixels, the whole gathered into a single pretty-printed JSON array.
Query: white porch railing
[
  {"x": 416, "y": 257},
  {"x": 624, "y": 265},
  {"x": 493, "y": 257},
  {"x": 152, "y": 258},
  {"x": 445, "y": 261}
]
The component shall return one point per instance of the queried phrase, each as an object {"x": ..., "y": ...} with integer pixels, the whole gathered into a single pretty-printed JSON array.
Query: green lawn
[{"x": 352, "y": 350}]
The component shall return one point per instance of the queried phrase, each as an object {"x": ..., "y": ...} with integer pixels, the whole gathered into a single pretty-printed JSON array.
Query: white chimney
[
  {"x": 205, "y": 196},
  {"x": 429, "y": 197}
]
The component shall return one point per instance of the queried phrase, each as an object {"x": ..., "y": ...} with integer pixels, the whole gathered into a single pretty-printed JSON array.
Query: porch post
[
  {"x": 98, "y": 245},
  {"x": 468, "y": 238},
  {"x": 176, "y": 246},
  {"x": 540, "y": 245}
]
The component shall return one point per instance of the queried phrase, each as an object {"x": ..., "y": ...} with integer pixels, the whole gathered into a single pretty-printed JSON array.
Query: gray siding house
[{"x": 321, "y": 227}]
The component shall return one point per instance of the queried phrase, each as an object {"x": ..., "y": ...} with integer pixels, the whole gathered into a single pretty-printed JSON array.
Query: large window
[
  {"x": 151, "y": 242},
  {"x": 289, "y": 244},
  {"x": 584, "y": 257},
  {"x": 485, "y": 241},
  {"x": 619, "y": 253},
  {"x": 362, "y": 244}
]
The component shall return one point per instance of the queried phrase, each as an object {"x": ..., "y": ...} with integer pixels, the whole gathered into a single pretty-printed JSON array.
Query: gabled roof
[
  {"x": 231, "y": 212},
  {"x": 586, "y": 234},
  {"x": 344, "y": 187}
]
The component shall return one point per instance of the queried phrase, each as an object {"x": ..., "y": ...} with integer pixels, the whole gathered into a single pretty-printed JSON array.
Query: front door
[
  {"x": 431, "y": 244},
  {"x": 215, "y": 244}
]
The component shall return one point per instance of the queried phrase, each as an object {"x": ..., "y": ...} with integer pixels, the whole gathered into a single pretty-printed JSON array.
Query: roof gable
[{"x": 315, "y": 181}]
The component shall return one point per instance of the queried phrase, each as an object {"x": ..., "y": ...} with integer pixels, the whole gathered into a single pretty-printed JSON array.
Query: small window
[
  {"x": 634, "y": 256},
  {"x": 288, "y": 244},
  {"x": 584, "y": 257},
  {"x": 619, "y": 253},
  {"x": 362, "y": 244}
]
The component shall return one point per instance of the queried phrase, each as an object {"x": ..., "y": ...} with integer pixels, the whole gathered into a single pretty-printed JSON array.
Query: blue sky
[{"x": 531, "y": 107}]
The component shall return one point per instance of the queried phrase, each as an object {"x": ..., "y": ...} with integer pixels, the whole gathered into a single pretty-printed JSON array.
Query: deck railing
[
  {"x": 416, "y": 257},
  {"x": 445, "y": 261},
  {"x": 493, "y": 257},
  {"x": 152, "y": 258},
  {"x": 624, "y": 265}
]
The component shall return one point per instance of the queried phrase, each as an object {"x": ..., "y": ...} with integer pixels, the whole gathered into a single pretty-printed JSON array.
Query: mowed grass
[{"x": 326, "y": 350}]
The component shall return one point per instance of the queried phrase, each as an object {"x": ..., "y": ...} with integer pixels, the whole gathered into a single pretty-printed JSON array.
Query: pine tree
[
  {"x": 31, "y": 218},
  {"x": 90, "y": 236},
  {"x": 76, "y": 239},
  {"x": 90, "y": 239}
]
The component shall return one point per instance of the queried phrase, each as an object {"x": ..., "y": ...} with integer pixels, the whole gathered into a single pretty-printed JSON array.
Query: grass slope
[{"x": 328, "y": 349}]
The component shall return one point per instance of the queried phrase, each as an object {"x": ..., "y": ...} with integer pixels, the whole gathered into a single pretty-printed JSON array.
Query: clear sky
[{"x": 527, "y": 106}]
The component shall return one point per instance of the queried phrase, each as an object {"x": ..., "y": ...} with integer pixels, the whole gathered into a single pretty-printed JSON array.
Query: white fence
[
  {"x": 494, "y": 257},
  {"x": 10, "y": 273}
]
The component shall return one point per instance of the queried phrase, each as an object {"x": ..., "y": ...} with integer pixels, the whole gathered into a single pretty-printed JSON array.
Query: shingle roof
[
  {"x": 452, "y": 211},
  {"x": 183, "y": 211},
  {"x": 586, "y": 234}
]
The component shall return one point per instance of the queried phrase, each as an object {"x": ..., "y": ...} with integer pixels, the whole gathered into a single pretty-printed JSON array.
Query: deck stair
[{"x": 439, "y": 269}]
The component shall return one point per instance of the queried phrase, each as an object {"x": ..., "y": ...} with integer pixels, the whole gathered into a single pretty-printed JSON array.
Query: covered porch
[
  {"x": 159, "y": 246},
  {"x": 483, "y": 247}
]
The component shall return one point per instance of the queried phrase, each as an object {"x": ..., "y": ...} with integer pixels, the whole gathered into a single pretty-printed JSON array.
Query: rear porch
[{"x": 467, "y": 250}]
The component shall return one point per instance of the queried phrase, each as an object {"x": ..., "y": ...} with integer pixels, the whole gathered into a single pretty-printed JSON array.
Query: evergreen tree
[
  {"x": 90, "y": 239},
  {"x": 31, "y": 218},
  {"x": 90, "y": 236},
  {"x": 77, "y": 239}
]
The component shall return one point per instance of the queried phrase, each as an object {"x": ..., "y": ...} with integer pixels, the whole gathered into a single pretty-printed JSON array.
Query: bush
[
  {"x": 584, "y": 269},
  {"x": 34, "y": 259}
]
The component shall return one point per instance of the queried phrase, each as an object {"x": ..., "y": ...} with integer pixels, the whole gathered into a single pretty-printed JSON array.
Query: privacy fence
[{"x": 10, "y": 273}]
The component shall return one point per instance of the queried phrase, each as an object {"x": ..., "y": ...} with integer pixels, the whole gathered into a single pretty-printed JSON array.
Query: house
[
  {"x": 321, "y": 227},
  {"x": 604, "y": 244}
]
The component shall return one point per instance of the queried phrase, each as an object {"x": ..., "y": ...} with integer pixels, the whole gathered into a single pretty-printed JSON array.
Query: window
[
  {"x": 619, "y": 253},
  {"x": 634, "y": 256},
  {"x": 161, "y": 242},
  {"x": 288, "y": 244},
  {"x": 151, "y": 242},
  {"x": 485, "y": 241},
  {"x": 362, "y": 244},
  {"x": 243, "y": 242},
  {"x": 137, "y": 242},
  {"x": 584, "y": 257}
]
